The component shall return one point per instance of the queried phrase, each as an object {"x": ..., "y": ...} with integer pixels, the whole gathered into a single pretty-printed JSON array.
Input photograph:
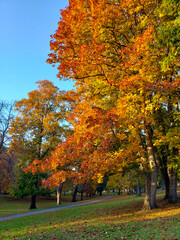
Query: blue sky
[{"x": 25, "y": 27}]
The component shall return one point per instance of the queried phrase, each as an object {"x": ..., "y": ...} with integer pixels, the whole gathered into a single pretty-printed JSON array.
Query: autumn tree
[
  {"x": 167, "y": 118},
  {"x": 126, "y": 181},
  {"x": 93, "y": 151},
  {"x": 111, "y": 50},
  {"x": 101, "y": 54},
  {"x": 38, "y": 127}
]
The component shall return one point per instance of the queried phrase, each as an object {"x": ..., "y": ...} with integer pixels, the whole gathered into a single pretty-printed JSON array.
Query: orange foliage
[{"x": 110, "y": 50}]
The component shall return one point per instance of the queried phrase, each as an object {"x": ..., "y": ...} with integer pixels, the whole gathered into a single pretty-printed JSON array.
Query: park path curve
[{"x": 51, "y": 209}]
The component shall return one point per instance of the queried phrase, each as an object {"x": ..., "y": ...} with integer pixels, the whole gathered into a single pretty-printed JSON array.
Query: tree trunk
[
  {"x": 147, "y": 199},
  {"x": 152, "y": 164},
  {"x": 75, "y": 193},
  {"x": 175, "y": 153},
  {"x": 59, "y": 193},
  {"x": 162, "y": 164},
  {"x": 33, "y": 202},
  {"x": 82, "y": 190},
  {"x": 82, "y": 195},
  {"x": 145, "y": 165},
  {"x": 173, "y": 185},
  {"x": 165, "y": 179},
  {"x": 154, "y": 177},
  {"x": 138, "y": 192}
]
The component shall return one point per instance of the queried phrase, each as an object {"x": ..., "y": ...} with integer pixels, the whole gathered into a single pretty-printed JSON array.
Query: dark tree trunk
[
  {"x": 119, "y": 191},
  {"x": 165, "y": 179},
  {"x": 172, "y": 186},
  {"x": 75, "y": 193},
  {"x": 33, "y": 202},
  {"x": 82, "y": 195},
  {"x": 82, "y": 190},
  {"x": 175, "y": 153},
  {"x": 138, "y": 192},
  {"x": 154, "y": 177},
  {"x": 162, "y": 164},
  {"x": 59, "y": 193}
]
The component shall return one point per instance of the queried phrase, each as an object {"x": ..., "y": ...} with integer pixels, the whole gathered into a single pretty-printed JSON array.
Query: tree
[
  {"x": 128, "y": 181},
  {"x": 7, "y": 160},
  {"x": 168, "y": 144},
  {"x": 38, "y": 127},
  {"x": 111, "y": 50},
  {"x": 108, "y": 55},
  {"x": 92, "y": 151},
  {"x": 7, "y": 166},
  {"x": 6, "y": 115}
]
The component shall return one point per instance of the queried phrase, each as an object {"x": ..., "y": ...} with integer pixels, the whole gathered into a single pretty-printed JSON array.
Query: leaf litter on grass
[{"x": 109, "y": 220}]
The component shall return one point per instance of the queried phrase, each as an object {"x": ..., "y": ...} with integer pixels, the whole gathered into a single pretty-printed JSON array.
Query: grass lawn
[
  {"x": 11, "y": 206},
  {"x": 115, "y": 218}
]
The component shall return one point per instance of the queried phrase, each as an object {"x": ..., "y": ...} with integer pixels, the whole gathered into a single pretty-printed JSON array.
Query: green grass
[
  {"x": 12, "y": 206},
  {"x": 116, "y": 218}
]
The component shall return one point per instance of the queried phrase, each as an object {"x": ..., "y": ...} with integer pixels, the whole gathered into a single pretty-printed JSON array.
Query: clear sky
[{"x": 25, "y": 28}]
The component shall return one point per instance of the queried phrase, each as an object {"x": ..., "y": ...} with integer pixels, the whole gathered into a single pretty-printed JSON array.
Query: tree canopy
[
  {"x": 37, "y": 129},
  {"x": 124, "y": 58}
]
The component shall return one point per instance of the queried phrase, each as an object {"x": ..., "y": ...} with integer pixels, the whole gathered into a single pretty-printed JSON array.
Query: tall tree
[
  {"x": 111, "y": 53},
  {"x": 167, "y": 118},
  {"x": 38, "y": 127},
  {"x": 110, "y": 49}
]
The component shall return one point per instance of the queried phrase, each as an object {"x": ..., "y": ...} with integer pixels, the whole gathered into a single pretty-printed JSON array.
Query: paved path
[{"x": 50, "y": 209}]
